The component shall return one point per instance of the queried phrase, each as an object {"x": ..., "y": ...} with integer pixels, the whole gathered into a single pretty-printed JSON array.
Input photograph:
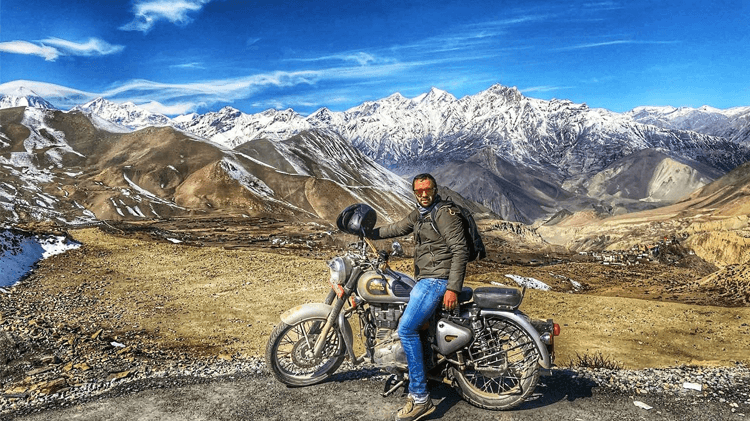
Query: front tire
[
  {"x": 509, "y": 369},
  {"x": 289, "y": 352}
]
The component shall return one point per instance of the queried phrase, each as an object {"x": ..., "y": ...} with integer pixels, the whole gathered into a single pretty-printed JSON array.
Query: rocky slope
[
  {"x": 712, "y": 221},
  {"x": 66, "y": 167}
]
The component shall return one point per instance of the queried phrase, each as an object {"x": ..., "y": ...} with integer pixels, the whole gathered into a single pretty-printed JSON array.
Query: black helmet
[{"x": 358, "y": 219}]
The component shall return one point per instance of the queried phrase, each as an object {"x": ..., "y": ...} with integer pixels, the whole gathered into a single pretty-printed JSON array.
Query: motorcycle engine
[{"x": 387, "y": 350}]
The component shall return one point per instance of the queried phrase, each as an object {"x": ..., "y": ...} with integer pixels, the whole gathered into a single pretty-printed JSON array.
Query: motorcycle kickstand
[{"x": 398, "y": 384}]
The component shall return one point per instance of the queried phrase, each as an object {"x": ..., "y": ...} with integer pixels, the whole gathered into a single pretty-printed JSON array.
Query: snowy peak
[
  {"x": 505, "y": 93},
  {"x": 126, "y": 114},
  {"x": 230, "y": 127},
  {"x": 98, "y": 105},
  {"x": 23, "y": 97},
  {"x": 731, "y": 123},
  {"x": 324, "y": 118},
  {"x": 435, "y": 96}
]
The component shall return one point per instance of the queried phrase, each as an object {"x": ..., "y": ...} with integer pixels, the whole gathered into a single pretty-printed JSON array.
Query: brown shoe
[{"x": 415, "y": 411}]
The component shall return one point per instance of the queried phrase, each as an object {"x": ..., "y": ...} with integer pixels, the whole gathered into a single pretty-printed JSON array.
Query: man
[{"x": 440, "y": 259}]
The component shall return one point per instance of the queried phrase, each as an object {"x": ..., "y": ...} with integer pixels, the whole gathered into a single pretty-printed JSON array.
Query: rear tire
[
  {"x": 509, "y": 371},
  {"x": 289, "y": 352}
]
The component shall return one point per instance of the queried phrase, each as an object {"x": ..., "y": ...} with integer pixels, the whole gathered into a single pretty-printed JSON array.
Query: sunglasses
[{"x": 422, "y": 192}]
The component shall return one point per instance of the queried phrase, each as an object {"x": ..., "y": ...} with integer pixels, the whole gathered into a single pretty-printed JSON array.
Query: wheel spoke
[
  {"x": 503, "y": 357},
  {"x": 292, "y": 356}
]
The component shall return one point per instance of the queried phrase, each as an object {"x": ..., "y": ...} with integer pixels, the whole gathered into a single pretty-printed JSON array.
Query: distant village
[{"x": 637, "y": 254}]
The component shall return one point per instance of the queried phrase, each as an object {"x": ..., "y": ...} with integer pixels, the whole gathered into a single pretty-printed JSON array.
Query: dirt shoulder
[{"x": 213, "y": 302}]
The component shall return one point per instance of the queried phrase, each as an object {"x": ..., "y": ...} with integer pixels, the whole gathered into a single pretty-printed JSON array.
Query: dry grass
[
  {"x": 595, "y": 360},
  {"x": 211, "y": 301}
]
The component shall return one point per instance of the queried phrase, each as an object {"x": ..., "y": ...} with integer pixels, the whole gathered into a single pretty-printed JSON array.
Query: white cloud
[
  {"x": 92, "y": 47},
  {"x": 52, "y": 48},
  {"x": 360, "y": 58},
  {"x": 173, "y": 109},
  {"x": 28, "y": 48},
  {"x": 192, "y": 65},
  {"x": 58, "y": 95},
  {"x": 615, "y": 42},
  {"x": 149, "y": 12},
  {"x": 222, "y": 89},
  {"x": 545, "y": 88}
]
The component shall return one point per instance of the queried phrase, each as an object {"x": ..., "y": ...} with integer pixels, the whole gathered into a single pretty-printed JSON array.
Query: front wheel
[
  {"x": 289, "y": 352},
  {"x": 505, "y": 370}
]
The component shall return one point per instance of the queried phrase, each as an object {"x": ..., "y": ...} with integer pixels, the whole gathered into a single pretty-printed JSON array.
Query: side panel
[{"x": 519, "y": 320}]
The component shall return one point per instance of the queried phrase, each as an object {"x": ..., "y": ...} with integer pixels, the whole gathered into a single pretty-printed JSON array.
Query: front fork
[
  {"x": 330, "y": 322},
  {"x": 337, "y": 314}
]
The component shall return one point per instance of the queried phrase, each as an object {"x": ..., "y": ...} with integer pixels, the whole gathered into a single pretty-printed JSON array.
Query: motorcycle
[{"x": 489, "y": 351}]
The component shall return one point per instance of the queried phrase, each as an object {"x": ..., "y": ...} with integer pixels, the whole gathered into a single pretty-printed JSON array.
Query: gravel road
[{"x": 252, "y": 394}]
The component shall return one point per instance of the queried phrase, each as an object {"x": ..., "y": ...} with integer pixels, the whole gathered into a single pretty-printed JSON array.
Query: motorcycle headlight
[{"x": 339, "y": 272}]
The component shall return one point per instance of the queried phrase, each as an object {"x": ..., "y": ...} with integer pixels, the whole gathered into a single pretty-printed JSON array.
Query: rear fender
[
  {"x": 319, "y": 310},
  {"x": 519, "y": 319}
]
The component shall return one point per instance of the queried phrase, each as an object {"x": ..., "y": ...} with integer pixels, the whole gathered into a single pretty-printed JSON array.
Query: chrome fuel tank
[{"x": 392, "y": 287}]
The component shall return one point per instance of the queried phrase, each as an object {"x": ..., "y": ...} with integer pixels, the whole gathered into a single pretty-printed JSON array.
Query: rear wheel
[
  {"x": 505, "y": 370},
  {"x": 289, "y": 352}
]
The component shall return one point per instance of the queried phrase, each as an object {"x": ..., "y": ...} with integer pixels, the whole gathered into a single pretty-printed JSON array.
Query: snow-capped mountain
[
  {"x": 408, "y": 135},
  {"x": 560, "y": 153},
  {"x": 125, "y": 114},
  {"x": 231, "y": 127},
  {"x": 570, "y": 140},
  {"x": 23, "y": 97},
  {"x": 732, "y": 123},
  {"x": 67, "y": 167}
]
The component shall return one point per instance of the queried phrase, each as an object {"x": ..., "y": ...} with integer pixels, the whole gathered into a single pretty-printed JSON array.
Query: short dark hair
[{"x": 423, "y": 176}]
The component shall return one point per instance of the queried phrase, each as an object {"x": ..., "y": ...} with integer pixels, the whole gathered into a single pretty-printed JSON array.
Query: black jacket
[{"x": 436, "y": 255}]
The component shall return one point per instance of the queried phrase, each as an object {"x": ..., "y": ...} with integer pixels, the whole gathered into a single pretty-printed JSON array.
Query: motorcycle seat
[
  {"x": 466, "y": 295},
  {"x": 498, "y": 298}
]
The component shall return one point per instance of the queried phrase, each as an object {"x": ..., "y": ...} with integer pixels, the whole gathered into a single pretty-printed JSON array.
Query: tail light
[{"x": 556, "y": 329}]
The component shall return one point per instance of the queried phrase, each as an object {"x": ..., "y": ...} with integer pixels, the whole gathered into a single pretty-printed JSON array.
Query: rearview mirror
[{"x": 398, "y": 251}]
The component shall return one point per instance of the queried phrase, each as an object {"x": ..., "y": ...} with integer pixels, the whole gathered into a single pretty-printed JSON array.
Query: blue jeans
[{"x": 423, "y": 300}]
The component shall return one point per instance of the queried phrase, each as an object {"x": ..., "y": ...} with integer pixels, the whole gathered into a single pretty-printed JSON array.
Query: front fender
[
  {"x": 304, "y": 312},
  {"x": 520, "y": 320}
]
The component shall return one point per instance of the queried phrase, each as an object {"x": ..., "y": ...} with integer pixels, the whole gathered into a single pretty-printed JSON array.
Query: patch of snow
[
  {"x": 135, "y": 211},
  {"x": 117, "y": 208},
  {"x": 529, "y": 282},
  {"x": 106, "y": 125},
  {"x": 146, "y": 193},
  {"x": 249, "y": 181},
  {"x": 20, "y": 252}
]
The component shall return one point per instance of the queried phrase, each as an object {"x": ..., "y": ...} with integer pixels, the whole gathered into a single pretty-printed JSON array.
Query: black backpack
[{"x": 471, "y": 232}]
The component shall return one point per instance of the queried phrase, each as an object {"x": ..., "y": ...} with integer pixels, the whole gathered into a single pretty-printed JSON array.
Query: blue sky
[{"x": 182, "y": 56}]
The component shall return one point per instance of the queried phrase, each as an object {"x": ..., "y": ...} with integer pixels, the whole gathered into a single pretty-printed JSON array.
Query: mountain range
[
  {"x": 524, "y": 159},
  {"x": 73, "y": 169}
]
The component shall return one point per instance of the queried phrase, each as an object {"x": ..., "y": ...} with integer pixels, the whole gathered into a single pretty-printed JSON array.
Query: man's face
[{"x": 425, "y": 192}]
